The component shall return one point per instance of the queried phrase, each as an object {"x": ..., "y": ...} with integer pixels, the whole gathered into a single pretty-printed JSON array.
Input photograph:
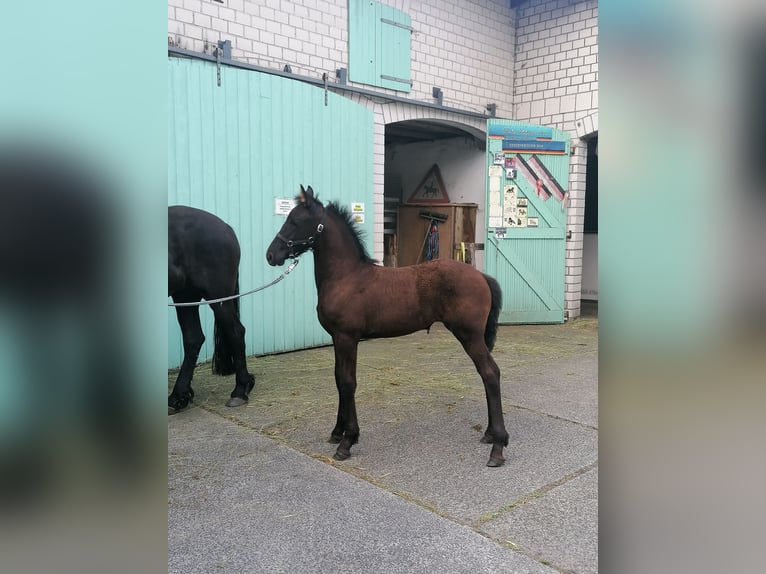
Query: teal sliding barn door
[
  {"x": 234, "y": 150},
  {"x": 527, "y": 183}
]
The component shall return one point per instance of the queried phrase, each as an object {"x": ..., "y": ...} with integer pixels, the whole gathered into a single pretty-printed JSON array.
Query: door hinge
[
  {"x": 397, "y": 24},
  {"x": 395, "y": 79}
]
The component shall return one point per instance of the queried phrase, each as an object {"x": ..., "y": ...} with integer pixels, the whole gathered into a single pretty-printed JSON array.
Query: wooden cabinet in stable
[{"x": 414, "y": 222}]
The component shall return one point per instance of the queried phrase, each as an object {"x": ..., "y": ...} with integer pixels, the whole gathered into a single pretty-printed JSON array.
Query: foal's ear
[
  {"x": 307, "y": 196},
  {"x": 302, "y": 195}
]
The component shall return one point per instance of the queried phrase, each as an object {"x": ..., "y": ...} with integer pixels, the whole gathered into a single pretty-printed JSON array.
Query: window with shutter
[{"x": 379, "y": 45}]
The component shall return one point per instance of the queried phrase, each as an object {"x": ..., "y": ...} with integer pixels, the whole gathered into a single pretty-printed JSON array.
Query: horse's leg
[
  {"x": 193, "y": 337},
  {"x": 234, "y": 332},
  {"x": 337, "y": 433},
  {"x": 476, "y": 348},
  {"x": 345, "y": 380}
]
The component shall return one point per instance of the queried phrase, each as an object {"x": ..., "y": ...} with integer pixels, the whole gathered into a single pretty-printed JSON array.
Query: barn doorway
[
  {"x": 433, "y": 169},
  {"x": 589, "y": 292}
]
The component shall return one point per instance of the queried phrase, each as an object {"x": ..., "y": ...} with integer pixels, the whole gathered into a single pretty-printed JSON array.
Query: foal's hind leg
[
  {"x": 476, "y": 348},
  {"x": 234, "y": 332},
  {"x": 193, "y": 337},
  {"x": 347, "y": 427}
]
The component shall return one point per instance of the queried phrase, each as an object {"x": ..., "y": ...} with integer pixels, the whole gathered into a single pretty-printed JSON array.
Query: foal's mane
[{"x": 345, "y": 217}]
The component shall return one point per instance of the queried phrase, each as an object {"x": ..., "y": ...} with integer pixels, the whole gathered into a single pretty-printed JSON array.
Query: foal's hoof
[
  {"x": 236, "y": 402},
  {"x": 486, "y": 439},
  {"x": 176, "y": 405},
  {"x": 335, "y": 438},
  {"x": 495, "y": 462},
  {"x": 341, "y": 455}
]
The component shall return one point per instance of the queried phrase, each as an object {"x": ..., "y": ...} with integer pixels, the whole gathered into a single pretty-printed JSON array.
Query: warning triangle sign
[{"x": 431, "y": 189}]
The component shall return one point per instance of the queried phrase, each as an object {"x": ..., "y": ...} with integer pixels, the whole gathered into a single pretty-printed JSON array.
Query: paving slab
[
  {"x": 436, "y": 458},
  {"x": 240, "y": 502},
  {"x": 565, "y": 388},
  {"x": 561, "y": 525}
]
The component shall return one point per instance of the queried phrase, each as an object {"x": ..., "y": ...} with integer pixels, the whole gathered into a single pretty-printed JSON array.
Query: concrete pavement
[{"x": 253, "y": 489}]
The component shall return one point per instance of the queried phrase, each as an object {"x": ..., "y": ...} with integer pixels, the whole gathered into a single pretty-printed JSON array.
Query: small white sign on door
[
  {"x": 357, "y": 207},
  {"x": 283, "y": 205},
  {"x": 358, "y": 217}
]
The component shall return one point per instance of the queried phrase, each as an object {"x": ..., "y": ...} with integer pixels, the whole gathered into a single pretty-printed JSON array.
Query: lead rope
[{"x": 286, "y": 272}]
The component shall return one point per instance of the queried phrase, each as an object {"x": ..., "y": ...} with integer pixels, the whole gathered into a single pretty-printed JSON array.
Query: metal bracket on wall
[
  {"x": 225, "y": 45},
  {"x": 438, "y": 94},
  {"x": 223, "y": 52},
  {"x": 342, "y": 74},
  {"x": 325, "y": 78},
  {"x": 492, "y": 108}
]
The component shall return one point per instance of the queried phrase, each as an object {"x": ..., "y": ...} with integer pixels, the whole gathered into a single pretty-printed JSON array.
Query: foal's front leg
[{"x": 346, "y": 429}]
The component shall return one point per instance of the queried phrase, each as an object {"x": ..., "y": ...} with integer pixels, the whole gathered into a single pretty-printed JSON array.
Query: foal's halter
[{"x": 301, "y": 242}]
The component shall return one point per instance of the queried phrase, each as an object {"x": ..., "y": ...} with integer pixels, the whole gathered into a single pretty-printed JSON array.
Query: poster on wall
[
  {"x": 284, "y": 205},
  {"x": 521, "y": 215},
  {"x": 509, "y": 206},
  {"x": 431, "y": 188},
  {"x": 532, "y": 222},
  {"x": 495, "y": 177}
]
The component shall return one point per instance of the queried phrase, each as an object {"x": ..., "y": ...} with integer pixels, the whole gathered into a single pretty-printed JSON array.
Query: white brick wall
[
  {"x": 556, "y": 64},
  {"x": 556, "y": 84},
  {"x": 465, "y": 47}
]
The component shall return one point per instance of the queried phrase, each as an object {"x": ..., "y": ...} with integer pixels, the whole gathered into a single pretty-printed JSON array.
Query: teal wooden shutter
[{"x": 379, "y": 45}]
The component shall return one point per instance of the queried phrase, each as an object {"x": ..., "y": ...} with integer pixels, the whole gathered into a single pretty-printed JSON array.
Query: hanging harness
[{"x": 432, "y": 245}]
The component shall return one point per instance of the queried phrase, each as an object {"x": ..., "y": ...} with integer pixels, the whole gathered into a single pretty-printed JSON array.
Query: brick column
[
  {"x": 575, "y": 221},
  {"x": 379, "y": 164}
]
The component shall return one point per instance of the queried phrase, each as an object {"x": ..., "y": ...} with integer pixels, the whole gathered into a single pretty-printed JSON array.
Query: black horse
[
  {"x": 358, "y": 299},
  {"x": 203, "y": 263}
]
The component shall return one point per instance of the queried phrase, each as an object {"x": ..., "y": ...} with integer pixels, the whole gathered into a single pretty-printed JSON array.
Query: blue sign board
[
  {"x": 524, "y": 132},
  {"x": 529, "y": 146}
]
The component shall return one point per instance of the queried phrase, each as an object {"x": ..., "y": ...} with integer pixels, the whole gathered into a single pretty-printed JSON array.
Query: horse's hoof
[
  {"x": 495, "y": 462},
  {"x": 486, "y": 439},
  {"x": 339, "y": 455},
  {"x": 236, "y": 402},
  {"x": 176, "y": 405},
  {"x": 335, "y": 438}
]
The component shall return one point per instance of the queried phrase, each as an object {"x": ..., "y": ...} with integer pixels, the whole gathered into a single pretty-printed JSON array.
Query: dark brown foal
[{"x": 358, "y": 299}]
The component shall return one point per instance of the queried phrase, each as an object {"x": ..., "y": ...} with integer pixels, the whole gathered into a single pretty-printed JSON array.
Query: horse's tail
[
  {"x": 223, "y": 354},
  {"x": 490, "y": 331}
]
